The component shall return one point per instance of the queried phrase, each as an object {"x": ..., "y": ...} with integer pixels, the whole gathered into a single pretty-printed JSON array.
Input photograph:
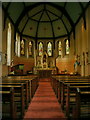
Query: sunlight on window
[
  {"x": 9, "y": 45},
  {"x": 49, "y": 49},
  {"x": 59, "y": 48},
  {"x": 30, "y": 48},
  {"x": 67, "y": 47},
  {"x": 22, "y": 47},
  {"x": 40, "y": 49}
]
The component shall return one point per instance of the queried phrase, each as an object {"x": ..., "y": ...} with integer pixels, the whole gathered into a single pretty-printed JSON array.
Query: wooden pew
[
  {"x": 19, "y": 82},
  {"x": 62, "y": 88},
  {"x": 32, "y": 83},
  {"x": 8, "y": 99},
  {"x": 82, "y": 95},
  {"x": 18, "y": 97},
  {"x": 57, "y": 86},
  {"x": 73, "y": 90}
]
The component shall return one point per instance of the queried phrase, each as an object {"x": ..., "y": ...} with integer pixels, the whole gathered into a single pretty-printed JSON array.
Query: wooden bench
[
  {"x": 32, "y": 83},
  {"x": 62, "y": 91},
  {"x": 82, "y": 97},
  {"x": 26, "y": 89},
  {"x": 18, "y": 97},
  {"x": 8, "y": 112}
]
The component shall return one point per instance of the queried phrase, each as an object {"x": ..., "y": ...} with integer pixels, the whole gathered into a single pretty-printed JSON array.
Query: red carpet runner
[{"x": 44, "y": 104}]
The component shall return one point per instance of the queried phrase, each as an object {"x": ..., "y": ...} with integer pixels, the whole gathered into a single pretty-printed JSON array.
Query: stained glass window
[
  {"x": 67, "y": 47},
  {"x": 22, "y": 47},
  {"x": 40, "y": 49},
  {"x": 49, "y": 49},
  {"x": 59, "y": 48},
  {"x": 30, "y": 48},
  {"x": 9, "y": 45}
]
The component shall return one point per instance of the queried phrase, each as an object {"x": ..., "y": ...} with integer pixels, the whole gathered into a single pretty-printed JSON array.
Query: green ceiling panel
[
  {"x": 35, "y": 10},
  {"x": 15, "y": 10},
  {"x": 52, "y": 16},
  {"x": 59, "y": 28},
  {"x": 23, "y": 22},
  {"x": 45, "y": 30},
  {"x": 67, "y": 23},
  {"x": 74, "y": 10},
  {"x": 45, "y": 17},
  {"x": 37, "y": 16},
  {"x": 30, "y": 28},
  {"x": 53, "y": 10},
  {"x": 50, "y": 24}
]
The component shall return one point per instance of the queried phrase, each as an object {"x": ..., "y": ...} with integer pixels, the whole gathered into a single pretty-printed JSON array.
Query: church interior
[{"x": 45, "y": 60}]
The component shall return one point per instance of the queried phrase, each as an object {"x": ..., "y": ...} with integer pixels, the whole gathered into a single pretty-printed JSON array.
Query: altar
[
  {"x": 45, "y": 73},
  {"x": 44, "y": 66}
]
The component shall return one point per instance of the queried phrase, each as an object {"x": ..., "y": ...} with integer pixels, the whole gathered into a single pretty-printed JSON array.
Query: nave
[
  {"x": 66, "y": 97},
  {"x": 44, "y": 103}
]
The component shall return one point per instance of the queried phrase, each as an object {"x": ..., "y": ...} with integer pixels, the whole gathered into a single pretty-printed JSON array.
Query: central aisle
[{"x": 44, "y": 103}]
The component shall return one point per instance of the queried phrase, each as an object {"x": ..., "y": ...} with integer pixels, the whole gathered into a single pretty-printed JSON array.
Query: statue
[
  {"x": 76, "y": 64},
  {"x": 44, "y": 60}
]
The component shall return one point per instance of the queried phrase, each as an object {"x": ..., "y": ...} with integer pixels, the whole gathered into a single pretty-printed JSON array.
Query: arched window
[
  {"x": 67, "y": 47},
  {"x": 30, "y": 48},
  {"x": 40, "y": 49},
  {"x": 60, "y": 48},
  {"x": 9, "y": 45},
  {"x": 49, "y": 49},
  {"x": 17, "y": 45},
  {"x": 22, "y": 47}
]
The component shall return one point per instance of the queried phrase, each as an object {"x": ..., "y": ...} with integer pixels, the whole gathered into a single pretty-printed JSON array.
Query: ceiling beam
[
  {"x": 24, "y": 25},
  {"x": 60, "y": 8},
  {"x": 52, "y": 29},
  {"x": 84, "y": 17},
  {"x": 25, "y": 11},
  {"x": 36, "y": 13},
  {"x": 37, "y": 29},
  {"x": 65, "y": 26},
  {"x": 44, "y": 38},
  {"x": 60, "y": 19}
]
